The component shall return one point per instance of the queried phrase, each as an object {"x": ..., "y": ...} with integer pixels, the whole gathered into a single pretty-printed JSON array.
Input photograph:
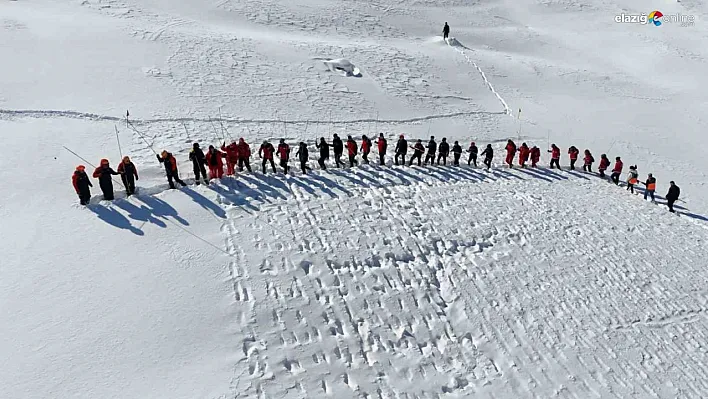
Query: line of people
[{"x": 238, "y": 154}]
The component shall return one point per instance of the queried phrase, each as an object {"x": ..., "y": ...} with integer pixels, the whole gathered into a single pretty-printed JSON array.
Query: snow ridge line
[
  {"x": 28, "y": 113},
  {"x": 484, "y": 77}
]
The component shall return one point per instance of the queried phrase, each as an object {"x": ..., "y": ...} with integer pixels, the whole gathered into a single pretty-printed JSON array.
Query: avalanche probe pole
[
  {"x": 144, "y": 139},
  {"x": 118, "y": 139},
  {"x": 222, "y": 126}
]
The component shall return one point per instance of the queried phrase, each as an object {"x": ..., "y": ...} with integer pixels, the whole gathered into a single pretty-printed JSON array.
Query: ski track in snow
[
  {"x": 96, "y": 117},
  {"x": 421, "y": 282}
]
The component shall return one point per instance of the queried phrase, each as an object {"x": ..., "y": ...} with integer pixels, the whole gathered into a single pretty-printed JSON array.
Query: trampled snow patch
[{"x": 343, "y": 65}]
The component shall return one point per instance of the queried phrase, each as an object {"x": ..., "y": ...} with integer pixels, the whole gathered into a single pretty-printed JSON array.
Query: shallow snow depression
[{"x": 344, "y": 66}]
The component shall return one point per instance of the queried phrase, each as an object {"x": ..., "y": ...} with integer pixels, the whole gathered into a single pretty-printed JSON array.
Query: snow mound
[
  {"x": 451, "y": 41},
  {"x": 344, "y": 66}
]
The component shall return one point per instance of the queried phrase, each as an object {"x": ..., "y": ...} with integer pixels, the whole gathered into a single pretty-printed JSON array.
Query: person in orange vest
[
  {"x": 214, "y": 159},
  {"x": 524, "y": 152},
  {"x": 351, "y": 149},
  {"x": 365, "y": 148},
  {"x": 632, "y": 178},
  {"x": 231, "y": 157},
  {"x": 555, "y": 156},
  {"x": 650, "y": 188},
  {"x": 103, "y": 172},
  {"x": 81, "y": 183},
  {"x": 128, "y": 174},
  {"x": 573, "y": 152}
]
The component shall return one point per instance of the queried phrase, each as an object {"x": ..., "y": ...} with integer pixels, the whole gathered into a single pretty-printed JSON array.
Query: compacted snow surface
[{"x": 370, "y": 282}]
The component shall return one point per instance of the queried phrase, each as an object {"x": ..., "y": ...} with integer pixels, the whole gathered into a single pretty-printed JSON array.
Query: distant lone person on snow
[{"x": 446, "y": 31}]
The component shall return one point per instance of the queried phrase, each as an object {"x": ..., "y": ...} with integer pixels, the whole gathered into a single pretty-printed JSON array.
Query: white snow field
[{"x": 369, "y": 282}]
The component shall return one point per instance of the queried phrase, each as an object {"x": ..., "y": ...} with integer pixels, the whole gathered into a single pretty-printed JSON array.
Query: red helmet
[
  {"x": 104, "y": 161},
  {"x": 400, "y": 137},
  {"x": 81, "y": 168}
]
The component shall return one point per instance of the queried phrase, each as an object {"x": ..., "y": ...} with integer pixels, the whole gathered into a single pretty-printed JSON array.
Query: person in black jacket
[
  {"x": 432, "y": 148},
  {"x": 473, "y": 154},
  {"x": 81, "y": 183},
  {"x": 672, "y": 195},
  {"x": 418, "y": 151},
  {"x": 304, "y": 156},
  {"x": 105, "y": 181},
  {"x": 401, "y": 149},
  {"x": 338, "y": 148},
  {"x": 128, "y": 174},
  {"x": 444, "y": 151},
  {"x": 456, "y": 153},
  {"x": 324, "y": 152},
  {"x": 170, "y": 168},
  {"x": 488, "y": 155},
  {"x": 446, "y": 30},
  {"x": 198, "y": 162}
]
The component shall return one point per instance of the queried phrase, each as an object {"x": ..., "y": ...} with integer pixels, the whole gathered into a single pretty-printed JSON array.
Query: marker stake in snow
[{"x": 519, "y": 132}]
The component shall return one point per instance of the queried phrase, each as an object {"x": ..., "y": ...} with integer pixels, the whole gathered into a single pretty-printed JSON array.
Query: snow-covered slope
[{"x": 372, "y": 282}]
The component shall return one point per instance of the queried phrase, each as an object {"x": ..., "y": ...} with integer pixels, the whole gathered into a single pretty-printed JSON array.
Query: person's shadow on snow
[
  {"x": 142, "y": 213},
  {"x": 160, "y": 208},
  {"x": 205, "y": 202},
  {"x": 114, "y": 218}
]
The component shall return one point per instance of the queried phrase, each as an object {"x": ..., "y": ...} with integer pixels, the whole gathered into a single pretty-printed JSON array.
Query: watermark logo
[{"x": 656, "y": 18}]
